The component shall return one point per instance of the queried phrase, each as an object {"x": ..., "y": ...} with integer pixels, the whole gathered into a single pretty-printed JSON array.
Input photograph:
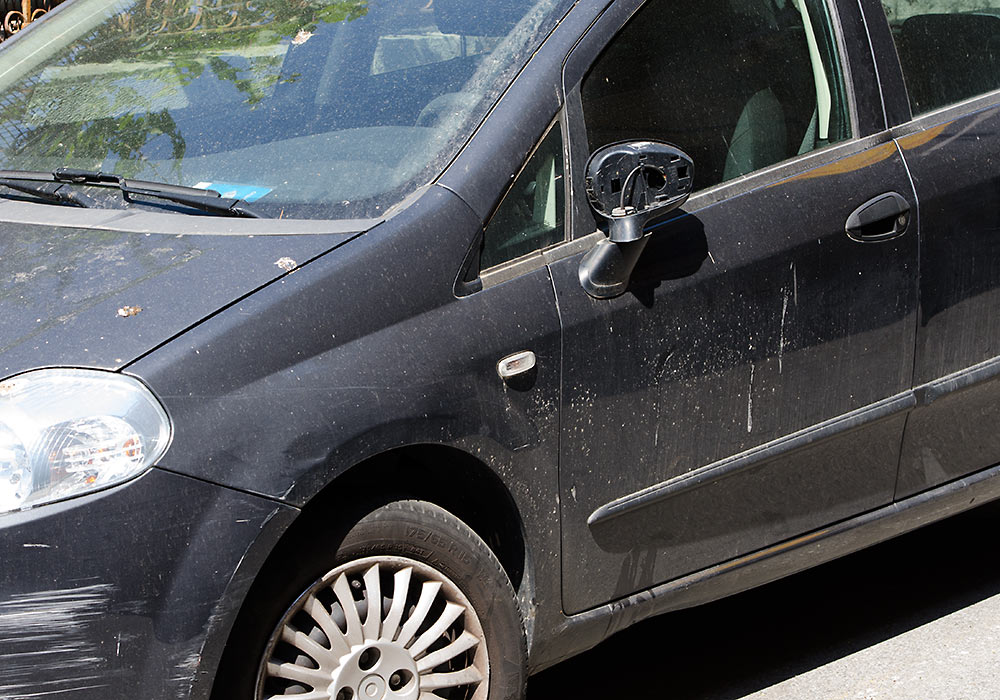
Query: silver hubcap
[{"x": 379, "y": 628}]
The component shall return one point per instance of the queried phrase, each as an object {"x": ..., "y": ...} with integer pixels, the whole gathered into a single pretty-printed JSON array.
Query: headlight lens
[{"x": 65, "y": 432}]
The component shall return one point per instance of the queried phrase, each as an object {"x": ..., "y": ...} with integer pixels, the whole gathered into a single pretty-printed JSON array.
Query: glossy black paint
[
  {"x": 735, "y": 417},
  {"x": 249, "y": 368},
  {"x": 959, "y": 295},
  {"x": 257, "y": 407}
]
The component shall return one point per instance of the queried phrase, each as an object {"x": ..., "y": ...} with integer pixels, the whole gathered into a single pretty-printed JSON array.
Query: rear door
[
  {"x": 946, "y": 108},
  {"x": 752, "y": 383}
]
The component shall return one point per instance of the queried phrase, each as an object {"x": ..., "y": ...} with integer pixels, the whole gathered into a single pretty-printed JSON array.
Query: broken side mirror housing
[{"x": 630, "y": 185}]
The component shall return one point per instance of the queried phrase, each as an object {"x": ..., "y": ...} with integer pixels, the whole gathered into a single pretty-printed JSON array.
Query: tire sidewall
[
  {"x": 416, "y": 530},
  {"x": 425, "y": 533}
]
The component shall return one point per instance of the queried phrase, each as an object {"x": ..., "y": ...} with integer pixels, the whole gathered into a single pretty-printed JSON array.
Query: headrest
[
  {"x": 763, "y": 14},
  {"x": 479, "y": 17},
  {"x": 952, "y": 29},
  {"x": 965, "y": 44}
]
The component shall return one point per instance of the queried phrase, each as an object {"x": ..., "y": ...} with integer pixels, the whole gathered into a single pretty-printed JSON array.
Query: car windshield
[{"x": 308, "y": 108}]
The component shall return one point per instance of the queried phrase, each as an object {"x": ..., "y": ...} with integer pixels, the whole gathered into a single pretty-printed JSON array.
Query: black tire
[{"x": 399, "y": 531}]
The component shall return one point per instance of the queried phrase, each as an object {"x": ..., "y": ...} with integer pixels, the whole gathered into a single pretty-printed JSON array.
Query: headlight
[{"x": 65, "y": 432}]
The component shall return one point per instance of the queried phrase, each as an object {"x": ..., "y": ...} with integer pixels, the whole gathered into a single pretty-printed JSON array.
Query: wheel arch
[
  {"x": 448, "y": 477},
  {"x": 445, "y": 476}
]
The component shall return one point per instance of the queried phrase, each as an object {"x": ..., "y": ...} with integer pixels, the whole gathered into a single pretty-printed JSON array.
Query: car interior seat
[
  {"x": 727, "y": 81},
  {"x": 778, "y": 120},
  {"x": 489, "y": 19}
]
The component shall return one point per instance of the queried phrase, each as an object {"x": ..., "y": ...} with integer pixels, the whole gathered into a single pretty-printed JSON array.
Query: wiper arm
[
  {"x": 53, "y": 191},
  {"x": 205, "y": 200}
]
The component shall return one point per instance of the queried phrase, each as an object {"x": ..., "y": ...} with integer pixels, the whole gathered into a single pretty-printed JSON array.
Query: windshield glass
[{"x": 309, "y": 108}]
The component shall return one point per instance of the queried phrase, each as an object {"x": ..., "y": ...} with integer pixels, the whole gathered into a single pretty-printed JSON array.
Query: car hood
[{"x": 101, "y": 297}]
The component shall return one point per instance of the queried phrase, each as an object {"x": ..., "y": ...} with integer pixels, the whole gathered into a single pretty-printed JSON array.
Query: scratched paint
[
  {"x": 185, "y": 668},
  {"x": 44, "y": 647},
  {"x": 795, "y": 284},
  {"x": 781, "y": 338}
]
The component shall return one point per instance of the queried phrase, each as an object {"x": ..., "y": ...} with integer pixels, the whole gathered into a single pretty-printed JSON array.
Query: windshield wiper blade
[
  {"x": 52, "y": 191},
  {"x": 205, "y": 200}
]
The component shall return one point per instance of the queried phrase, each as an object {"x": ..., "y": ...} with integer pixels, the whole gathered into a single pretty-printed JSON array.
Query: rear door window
[{"x": 949, "y": 49}]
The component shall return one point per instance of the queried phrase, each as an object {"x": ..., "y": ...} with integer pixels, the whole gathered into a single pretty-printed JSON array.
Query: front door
[{"x": 752, "y": 383}]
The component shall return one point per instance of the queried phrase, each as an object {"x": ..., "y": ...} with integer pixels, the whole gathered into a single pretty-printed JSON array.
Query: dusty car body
[{"x": 794, "y": 358}]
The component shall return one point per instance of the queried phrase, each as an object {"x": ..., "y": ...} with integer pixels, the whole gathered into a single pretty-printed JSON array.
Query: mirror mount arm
[{"x": 606, "y": 270}]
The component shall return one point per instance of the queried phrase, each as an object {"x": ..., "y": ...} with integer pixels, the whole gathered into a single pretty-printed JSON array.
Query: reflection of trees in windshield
[
  {"x": 130, "y": 126},
  {"x": 172, "y": 27},
  {"x": 230, "y": 21},
  {"x": 193, "y": 34},
  {"x": 124, "y": 137},
  {"x": 17, "y": 14},
  {"x": 110, "y": 94}
]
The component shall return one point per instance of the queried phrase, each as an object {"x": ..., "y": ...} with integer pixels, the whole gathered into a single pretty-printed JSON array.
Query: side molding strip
[
  {"x": 922, "y": 395},
  {"x": 977, "y": 374},
  {"x": 589, "y": 628},
  {"x": 804, "y": 552},
  {"x": 745, "y": 460}
]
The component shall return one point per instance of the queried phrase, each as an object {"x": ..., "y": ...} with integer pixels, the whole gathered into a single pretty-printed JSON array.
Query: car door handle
[{"x": 880, "y": 219}]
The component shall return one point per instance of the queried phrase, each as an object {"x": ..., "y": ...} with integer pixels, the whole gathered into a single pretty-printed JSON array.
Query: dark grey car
[{"x": 369, "y": 349}]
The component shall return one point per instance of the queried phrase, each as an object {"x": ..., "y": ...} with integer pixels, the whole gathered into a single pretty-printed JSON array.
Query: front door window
[{"x": 737, "y": 84}]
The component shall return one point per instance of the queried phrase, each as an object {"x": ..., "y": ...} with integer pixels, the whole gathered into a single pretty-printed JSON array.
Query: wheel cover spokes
[{"x": 378, "y": 628}]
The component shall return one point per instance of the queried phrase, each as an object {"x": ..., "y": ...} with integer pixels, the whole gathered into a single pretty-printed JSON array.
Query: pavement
[{"x": 917, "y": 618}]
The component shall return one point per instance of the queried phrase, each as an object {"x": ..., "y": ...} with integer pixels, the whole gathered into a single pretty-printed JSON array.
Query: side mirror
[{"x": 630, "y": 185}]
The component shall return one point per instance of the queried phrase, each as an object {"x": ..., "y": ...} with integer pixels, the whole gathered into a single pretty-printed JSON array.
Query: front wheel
[{"x": 412, "y": 606}]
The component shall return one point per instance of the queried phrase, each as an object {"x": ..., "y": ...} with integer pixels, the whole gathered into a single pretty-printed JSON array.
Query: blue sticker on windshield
[{"x": 248, "y": 193}]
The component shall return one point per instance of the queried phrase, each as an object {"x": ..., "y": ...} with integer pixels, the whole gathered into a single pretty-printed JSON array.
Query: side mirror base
[{"x": 606, "y": 270}]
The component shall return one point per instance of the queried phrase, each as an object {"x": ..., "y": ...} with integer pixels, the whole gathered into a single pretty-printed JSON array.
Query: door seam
[{"x": 918, "y": 310}]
